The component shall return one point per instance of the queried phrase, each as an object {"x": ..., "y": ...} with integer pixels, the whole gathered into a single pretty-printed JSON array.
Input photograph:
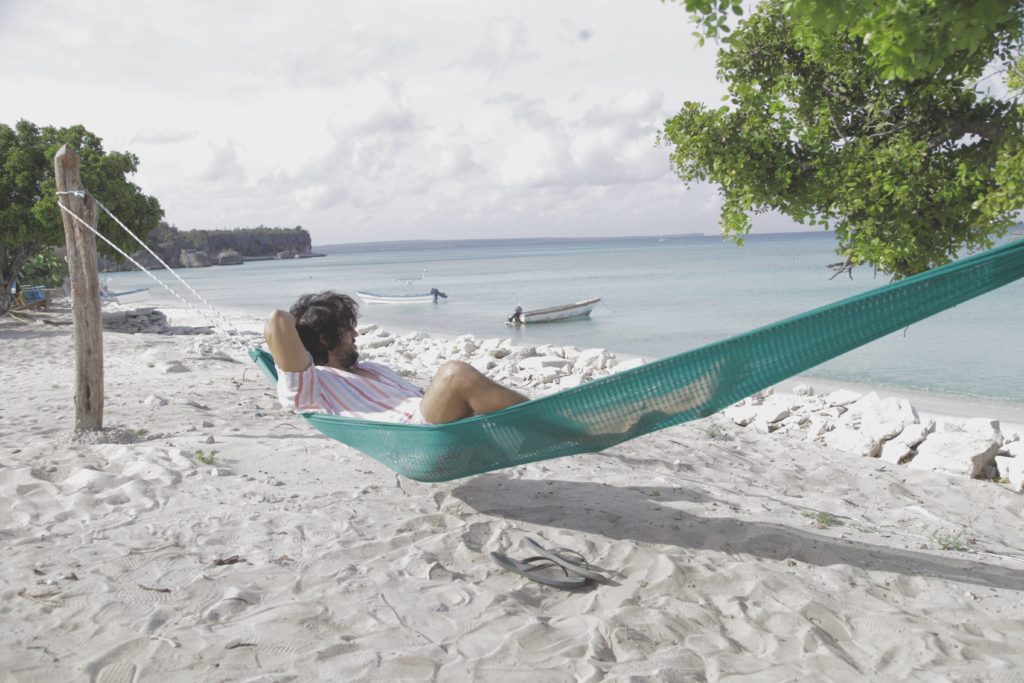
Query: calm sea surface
[{"x": 659, "y": 297}]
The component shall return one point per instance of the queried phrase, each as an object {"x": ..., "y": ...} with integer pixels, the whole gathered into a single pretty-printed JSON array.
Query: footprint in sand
[
  {"x": 233, "y": 602},
  {"x": 826, "y": 621},
  {"x": 122, "y": 663},
  {"x": 890, "y": 624},
  {"x": 452, "y": 596},
  {"x": 276, "y": 630},
  {"x": 134, "y": 494},
  {"x": 143, "y": 596},
  {"x": 135, "y": 560},
  {"x": 833, "y": 633},
  {"x": 133, "y": 478},
  {"x": 477, "y": 535}
]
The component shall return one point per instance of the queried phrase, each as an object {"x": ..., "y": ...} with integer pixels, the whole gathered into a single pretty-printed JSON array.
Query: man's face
[{"x": 346, "y": 354}]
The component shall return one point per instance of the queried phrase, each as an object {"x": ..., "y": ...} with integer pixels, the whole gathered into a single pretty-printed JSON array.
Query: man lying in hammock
[{"x": 314, "y": 349}]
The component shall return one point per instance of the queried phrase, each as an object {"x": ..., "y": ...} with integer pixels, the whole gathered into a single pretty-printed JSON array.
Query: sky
[{"x": 378, "y": 120}]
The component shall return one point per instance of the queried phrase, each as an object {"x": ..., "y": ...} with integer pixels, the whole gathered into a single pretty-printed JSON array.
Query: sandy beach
[{"x": 210, "y": 535}]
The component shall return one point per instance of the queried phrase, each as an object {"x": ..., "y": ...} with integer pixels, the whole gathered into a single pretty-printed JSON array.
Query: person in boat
[{"x": 318, "y": 368}]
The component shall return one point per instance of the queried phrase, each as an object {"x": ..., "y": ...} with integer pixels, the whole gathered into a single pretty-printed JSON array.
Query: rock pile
[
  {"x": 889, "y": 429},
  {"x": 537, "y": 369},
  {"x": 145, "y": 320}
]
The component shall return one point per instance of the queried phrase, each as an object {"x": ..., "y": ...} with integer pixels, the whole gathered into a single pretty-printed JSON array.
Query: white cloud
[
  {"x": 381, "y": 119},
  {"x": 505, "y": 43},
  {"x": 375, "y": 105},
  {"x": 633, "y": 107},
  {"x": 536, "y": 158},
  {"x": 456, "y": 161},
  {"x": 331, "y": 58},
  {"x": 320, "y": 196},
  {"x": 152, "y": 136},
  {"x": 222, "y": 166}
]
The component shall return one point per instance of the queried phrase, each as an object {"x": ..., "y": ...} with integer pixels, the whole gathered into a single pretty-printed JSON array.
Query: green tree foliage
[
  {"x": 46, "y": 269},
  {"x": 900, "y": 154},
  {"x": 1015, "y": 77},
  {"x": 30, "y": 222},
  {"x": 258, "y": 242},
  {"x": 904, "y": 39}
]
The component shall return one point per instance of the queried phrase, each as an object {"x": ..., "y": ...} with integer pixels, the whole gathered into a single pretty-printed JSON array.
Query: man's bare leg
[{"x": 458, "y": 390}]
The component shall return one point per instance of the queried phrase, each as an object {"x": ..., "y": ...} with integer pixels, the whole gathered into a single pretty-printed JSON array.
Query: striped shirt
[{"x": 383, "y": 397}]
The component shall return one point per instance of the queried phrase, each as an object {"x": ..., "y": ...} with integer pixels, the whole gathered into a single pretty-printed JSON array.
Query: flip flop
[
  {"x": 567, "y": 559},
  {"x": 532, "y": 568}
]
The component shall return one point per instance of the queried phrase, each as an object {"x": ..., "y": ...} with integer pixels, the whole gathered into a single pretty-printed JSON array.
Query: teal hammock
[{"x": 691, "y": 385}]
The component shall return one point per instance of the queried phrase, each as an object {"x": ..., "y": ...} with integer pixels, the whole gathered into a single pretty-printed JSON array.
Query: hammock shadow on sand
[
  {"x": 636, "y": 514},
  {"x": 13, "y": 335},
  {"x": 19, "y": 325}
]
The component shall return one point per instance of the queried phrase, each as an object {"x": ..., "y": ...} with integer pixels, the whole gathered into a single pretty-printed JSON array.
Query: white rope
[
  {"x": 145, "y": 246},
  {"x": 239, "y": 340}
]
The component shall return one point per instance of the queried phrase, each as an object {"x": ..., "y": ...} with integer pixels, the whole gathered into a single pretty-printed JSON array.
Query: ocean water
[{"x": 660, "y": 296}]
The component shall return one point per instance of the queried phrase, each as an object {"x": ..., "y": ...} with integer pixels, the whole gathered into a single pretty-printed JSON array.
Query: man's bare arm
[{"x": 284, "y": 342}]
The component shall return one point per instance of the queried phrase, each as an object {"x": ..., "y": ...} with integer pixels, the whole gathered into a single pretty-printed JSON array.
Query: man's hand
[{"x": 284, "y": 342}]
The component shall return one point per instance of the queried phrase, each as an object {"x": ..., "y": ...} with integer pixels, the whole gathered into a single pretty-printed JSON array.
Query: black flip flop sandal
[
  {"x": 567, "y": 559},
  {"x": 534, "y": 568}
]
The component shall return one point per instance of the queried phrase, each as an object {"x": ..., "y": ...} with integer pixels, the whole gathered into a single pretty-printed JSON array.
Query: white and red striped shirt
[{"x": 384, "y": 396}]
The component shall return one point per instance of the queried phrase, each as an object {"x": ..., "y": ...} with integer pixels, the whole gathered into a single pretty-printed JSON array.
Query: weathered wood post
[{"x": 85, "y": 291}]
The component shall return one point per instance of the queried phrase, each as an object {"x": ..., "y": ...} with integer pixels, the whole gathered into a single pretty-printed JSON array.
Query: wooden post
[{"x": 85, "y": 291}]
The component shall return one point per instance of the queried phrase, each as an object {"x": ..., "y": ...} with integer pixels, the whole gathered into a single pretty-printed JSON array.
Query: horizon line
[{"x": 609, "y": 238}]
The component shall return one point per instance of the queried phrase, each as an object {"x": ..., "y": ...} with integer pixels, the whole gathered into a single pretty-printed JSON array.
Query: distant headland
[{"x": 234, "y": 246}]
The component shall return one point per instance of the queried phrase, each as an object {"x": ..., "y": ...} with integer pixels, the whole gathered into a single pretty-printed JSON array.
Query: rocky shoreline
[{"x": 889, "y": 429}]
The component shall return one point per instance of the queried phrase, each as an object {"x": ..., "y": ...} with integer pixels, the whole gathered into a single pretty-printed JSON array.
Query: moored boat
[
  {"x": 580, "y": 309},
  {"x": 433, "y": 296},
  {"x": 129, "y": 296}
]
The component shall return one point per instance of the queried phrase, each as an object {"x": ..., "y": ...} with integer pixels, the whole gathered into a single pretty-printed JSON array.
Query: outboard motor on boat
[{"x": 516, "y": 318}]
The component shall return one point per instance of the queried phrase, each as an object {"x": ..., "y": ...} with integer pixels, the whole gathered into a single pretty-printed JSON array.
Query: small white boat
[
  {"x": 580, "y": 309},
  {"x": 434, "y": 296},
  {"x": 127, "y": 297}
]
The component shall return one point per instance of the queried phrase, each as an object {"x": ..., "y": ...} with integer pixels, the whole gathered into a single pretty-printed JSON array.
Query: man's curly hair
[{"x": 324, "y": 314}]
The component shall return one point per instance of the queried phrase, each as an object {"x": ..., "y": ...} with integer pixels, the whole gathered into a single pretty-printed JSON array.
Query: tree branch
[
  {"x": 985, "y": 130},
  {"x": 842, "y": 267}
]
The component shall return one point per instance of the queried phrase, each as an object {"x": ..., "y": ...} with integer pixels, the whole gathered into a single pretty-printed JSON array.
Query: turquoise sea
[{"x": 660, "y": 296}]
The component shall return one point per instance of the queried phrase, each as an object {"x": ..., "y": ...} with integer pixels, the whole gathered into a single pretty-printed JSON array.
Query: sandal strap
[
  {"x": 531, "y": 566},
  {"x": 558, "y": 555}
]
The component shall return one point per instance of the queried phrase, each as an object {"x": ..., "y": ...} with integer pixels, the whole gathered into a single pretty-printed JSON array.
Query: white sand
[{"x": 293, "y": 557}]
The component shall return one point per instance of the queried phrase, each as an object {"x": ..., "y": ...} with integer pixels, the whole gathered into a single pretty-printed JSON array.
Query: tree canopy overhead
[
  {"x": 906, "y": 39},
  {"x": 863, "y": 116},
  {"x": 30, "y": 221}
]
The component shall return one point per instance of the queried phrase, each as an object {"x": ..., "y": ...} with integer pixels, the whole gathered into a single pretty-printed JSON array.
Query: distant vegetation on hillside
[{"x": 194, "y": 248}]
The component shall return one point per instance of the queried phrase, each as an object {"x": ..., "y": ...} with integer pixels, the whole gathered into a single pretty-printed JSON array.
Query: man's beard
[{"x": 349, "y": 359}]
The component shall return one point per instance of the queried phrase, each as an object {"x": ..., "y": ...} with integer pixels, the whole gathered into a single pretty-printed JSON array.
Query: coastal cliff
[{"x": 198, "y": 248}]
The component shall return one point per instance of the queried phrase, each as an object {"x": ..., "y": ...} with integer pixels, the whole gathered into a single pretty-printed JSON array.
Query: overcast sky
[{"x": 377, "y": 120}]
